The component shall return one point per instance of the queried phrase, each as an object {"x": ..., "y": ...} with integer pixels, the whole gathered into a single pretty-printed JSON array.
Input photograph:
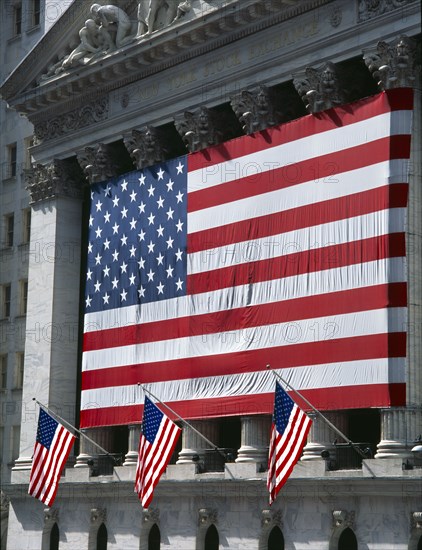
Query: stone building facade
[{"x": 158, "y": 84}]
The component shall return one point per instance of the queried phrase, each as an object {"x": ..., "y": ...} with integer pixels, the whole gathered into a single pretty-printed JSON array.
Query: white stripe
[
  {"x": 389, "y": 270},
  {"x": 327, "y": 375},
  {"x": 301, "y": 149},
  {"x": 303, "y": 194},
  {"x": 347, "y": 325},
  {"x": 309, "y": 238},
  {"x": 294, "y": 444}
]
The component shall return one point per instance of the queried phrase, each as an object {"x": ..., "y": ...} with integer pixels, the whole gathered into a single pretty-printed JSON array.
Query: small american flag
[
  {"x": 52, "y": 448},
  {"x": 158, "y": 439},
  {"x": 289, "y": 431}
]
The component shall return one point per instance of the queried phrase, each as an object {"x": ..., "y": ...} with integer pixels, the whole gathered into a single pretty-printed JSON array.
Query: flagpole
[
  {"x": 215, "y": 448},
  {"x": 73, "y": 428},
  {"x": 325, "y": 419}
]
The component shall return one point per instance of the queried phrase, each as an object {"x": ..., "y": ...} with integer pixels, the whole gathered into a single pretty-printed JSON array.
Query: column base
[
  {"x": 82, "y": 461},
  {"x": 131, "y": 458},
  {"x": 23, "y": 463},
  {"x": 249, "y": 454},
  {"x": 392, "y": 449}
]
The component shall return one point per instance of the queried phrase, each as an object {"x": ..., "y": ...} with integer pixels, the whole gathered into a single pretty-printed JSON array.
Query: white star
[
  {"x": 132, "y": 279},
  {"x": 170, "y": 242},
  {"x": 91, "y": 221},
  {"x": 89, "y": 248},
  {"x": 141, "y": 207},
  {"x": 151, "y": 219},
  {"x": 141, "y": 263},
  {"x": 133, "y": 196},
  {"x": 169, "y": 271},
  {"x": 151, "y": 247},
  {"x": 88, "y": 275},
  {"x": 179, "y": 196},
  {"x": 141, "y": 292},
  {"x": 123, "y": 267},
  {"x": 106, "y": 298},
  {"x": 98, "y": 259},
  {"x": 124, "y": 212},
  {"x": 160, "y": 174},
  {"x": 123, "y": 295},
  {"x": 141, "y": 235},
  {"x": 133, "y": 223},
  {"x": 170, "y": 213},
  {"x": 160, "y": 288},
  {"x": 99, "y": 205},
  {"x": 132, "y": 251},
  {"x": 179, "y": 255},
  {"x": 179, "y": 284},
  {"x": 160, "y": 202},
  {"x": 106, "y": 271},
  {"x": 115, "y": 255},
  {"x": 88, "y": 301},
  {"x": 170, "y": 185},
  {"x": 106, "y": 244},
  {"x": 106, "y": 217},
  {"x": 124, "y": 185},
  {"x": 142, "y": 180},
  {"x": 150, "y": 275},
  {"x": 116, "y": 201},
  {"x": 97, "y": 286},
  {"x": 115, "y": 282},
  {"x": 160, "y": 259},
  {"x": 151, "y": 191},
  {"x": 107, "y": 191},
  {"x": 115, "y": 228},
  {"x": 92, "y": 195},
  {"x": 160, "y": 231},
  {"x": 98, "y": 232},
  {"x": 124, "y": 240},
  {"x": 179, "y": 226},
  {"x": 180, "y": 167}
]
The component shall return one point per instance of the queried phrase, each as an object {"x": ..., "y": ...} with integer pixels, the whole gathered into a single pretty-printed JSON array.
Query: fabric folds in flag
[
  {"x": 52, "y": 448},
  {"x": 285, "y": 243},
  {"x": 289, "y": 430},
  {"x": 156, "y": 445}
]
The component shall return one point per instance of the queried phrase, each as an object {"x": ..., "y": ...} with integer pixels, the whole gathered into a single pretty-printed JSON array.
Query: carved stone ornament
[
  {"x": 416, "y": 521},
  {"x": 58, "y": 178},
  {"x": 270, "y": 518},
  {"x": 198, "y": 129},
  {"x": 372, "y": 8},
  {"x": 393, "y": 65},
  {"x": 156, "y": 14},
  {"x": 51, "y": 516},
  {"x": 255, "y": 109},
  {"x": 98, "y": 516},
  {"x": 207, "y": 516},
  {"x": 72, "y": 121},
  {"x": 145, "y": 146},
  {"x": 319, "y": 88},
  {"x": 4, "y": 502},
  {"x": 151, "y": 515},
  {"x": 97, "y": 163},
  {"x": 343, "y": 519}
]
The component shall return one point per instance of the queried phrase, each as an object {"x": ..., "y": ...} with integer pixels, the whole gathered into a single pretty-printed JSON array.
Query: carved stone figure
[
  {"x": 148, "y": 11},
  {"x": 373, "y": 8},
  {"x": 198, "y": 129},
  {"x": 94, "y": 40},
  {"x": 255, "y": 109},
  {"x": 145, "y": 146},
  {"x": 109, "y": 14},
  {"x": 320, "y": 88}
]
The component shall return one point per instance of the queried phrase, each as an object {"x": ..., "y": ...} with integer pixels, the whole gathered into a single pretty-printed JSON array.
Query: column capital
[
  {"x": 198, "y": 129},
  {"x": 57, "y": 178},
  {"x": 255, "y": 109},
  {"x": 51, "y": 516},
  {"x": 145, "y": 146},
  {"x": 97, "y": 162},
  {"x": 98, "y": 516},
  {"x": 393, "y": 65},
  {"x": 319, "y": 88}
]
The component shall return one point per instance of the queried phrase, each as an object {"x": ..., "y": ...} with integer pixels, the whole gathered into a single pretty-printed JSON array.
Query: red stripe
[
  {"x": 391, "y": 100},
  {"x": 375, "y": 346},
  {"x": 348, "y": 397},
  {"x": 347, "y": 301},
  {"x": 309, "y": 261},
  {"x": 358, "y": 204},
  {"x": 318, "y": 169}
]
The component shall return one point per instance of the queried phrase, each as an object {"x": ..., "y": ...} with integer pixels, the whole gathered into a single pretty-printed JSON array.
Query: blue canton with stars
[
  {"x": 151, "y": 420},
  {"x": 283, "y": 406},
  {"x": 46, "y": 429},
  {"x": 137, "y": 238}
]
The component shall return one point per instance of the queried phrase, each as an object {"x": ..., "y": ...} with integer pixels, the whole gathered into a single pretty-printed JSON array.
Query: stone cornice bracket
[
  {"x": 393, "y": 65},
  {"x": 255, "y": 109},
  {"x": 58, "y": 178},
  {"x": 416, "y": 521},
  {"x": 97, "y": 163},
  {"x": 145, "y": 146},
  {"x": 369, "y": 9},
  {"x": 207, "y": 517},
  {"x": 198, "y": 129},
  {"x": 150, "y": 516},
  {"x": 98, "y": 516},
  {"x": 51, "y": 516},
  {"x": 343, "y": 519},
  {"x": 319, "y": 88},
  {"x": 270, "y": 519}
]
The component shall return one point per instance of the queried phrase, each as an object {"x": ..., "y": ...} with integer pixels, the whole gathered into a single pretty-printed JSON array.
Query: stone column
[
  {"x": 194, "y": 445},
  {"x": 51, "y": 345},
  {"x": 131, "y": 456},
  {"x": 87, "y": 450},
  {"x": 321, "y": 437},
  {"x": 255, "y": 437},
  {"x": 394, "y": 65}
]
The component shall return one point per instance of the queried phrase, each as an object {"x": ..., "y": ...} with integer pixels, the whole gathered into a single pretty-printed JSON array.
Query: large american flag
[
  {"x": 52, "y": 447},
  {"x": 284, "y": 247},
  {"x": 289, "y": 430},
  {"x": 156, "y": 445}
]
